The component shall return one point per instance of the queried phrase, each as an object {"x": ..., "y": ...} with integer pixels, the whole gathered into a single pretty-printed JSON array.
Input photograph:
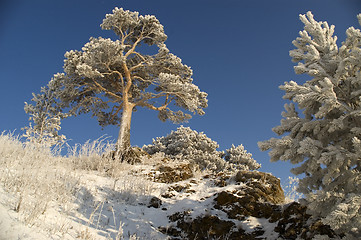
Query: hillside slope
[{"x": 89, "y": 196}]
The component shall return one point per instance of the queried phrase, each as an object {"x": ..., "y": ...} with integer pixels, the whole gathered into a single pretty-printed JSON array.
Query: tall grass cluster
[
  {"x": 40, "y": 180},
  {"x": 35, "y": 176}
]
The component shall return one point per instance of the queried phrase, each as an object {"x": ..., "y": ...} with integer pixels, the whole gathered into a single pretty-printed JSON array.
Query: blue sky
[{"x": 237, "y": 49}]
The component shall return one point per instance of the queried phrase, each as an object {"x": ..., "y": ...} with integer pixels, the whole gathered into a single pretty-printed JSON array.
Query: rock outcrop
[{"x": 246, "y": 205}]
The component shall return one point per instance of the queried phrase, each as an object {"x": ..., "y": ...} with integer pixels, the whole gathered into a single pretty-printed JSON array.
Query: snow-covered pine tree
[
  {"x": 112, "y": 78},
  {"x": 46, "y": 117},
  {"x": 324, "y": 141}
]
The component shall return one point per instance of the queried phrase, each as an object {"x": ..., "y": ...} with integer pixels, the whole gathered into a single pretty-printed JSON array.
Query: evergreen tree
[
  {"x": 46, "y": 117},
  {"x": 112, "y": 78},
  {"x": 324, "y": 141}
]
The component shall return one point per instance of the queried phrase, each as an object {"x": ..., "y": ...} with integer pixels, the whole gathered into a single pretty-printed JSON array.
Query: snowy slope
[{"x": 86, "y": 196}]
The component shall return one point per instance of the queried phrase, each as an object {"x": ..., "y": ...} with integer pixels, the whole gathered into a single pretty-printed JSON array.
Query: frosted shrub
[
  {"x": 12, "y": 149},
  {"x": 239, "y": 158},
  {"x": 197, "y": 148},
  {"x": 10, "y": 145},
  {"x": 188, "y": 144}
]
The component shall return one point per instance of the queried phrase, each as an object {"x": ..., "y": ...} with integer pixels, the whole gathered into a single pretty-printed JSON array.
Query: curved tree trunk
[{"x": 123, "y": 143}]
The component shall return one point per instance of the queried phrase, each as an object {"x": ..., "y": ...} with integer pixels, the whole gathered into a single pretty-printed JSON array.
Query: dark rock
[
  {"x": 292, "y": 221},
  {"x": 296, "y": 223},
  {"x": 202, "y": 228},
  {"x": 170, "y": 231},
  {"x": 179, "y": 188},
  {"x": 253, "y": 194},
  {"x": 222, "y": 179},
  {"x": 155, "y": 202},
  {"x": 240, "y": 207},
  {"x": 208, "y": 227},
  {"x": 167, "y": 195},
  {"x": 178, "y": 216}
]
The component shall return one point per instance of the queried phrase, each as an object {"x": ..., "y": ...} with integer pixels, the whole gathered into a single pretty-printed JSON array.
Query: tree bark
[
  {"x": 123, "y": 147},
  {"x": 123, "y": 142}
]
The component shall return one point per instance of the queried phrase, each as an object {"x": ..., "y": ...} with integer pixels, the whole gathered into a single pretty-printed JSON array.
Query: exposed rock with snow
[
  {"x": 245, "y": 205},
  {"x": 261, "y": 185},
  {"x": 166, "y": 173}
]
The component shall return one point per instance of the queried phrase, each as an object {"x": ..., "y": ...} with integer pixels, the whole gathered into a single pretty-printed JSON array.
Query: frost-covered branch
[{"x": 323, "y": 141}]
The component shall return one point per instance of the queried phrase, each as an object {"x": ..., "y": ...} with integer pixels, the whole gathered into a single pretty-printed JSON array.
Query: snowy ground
[{"x": 46, "y": 197}]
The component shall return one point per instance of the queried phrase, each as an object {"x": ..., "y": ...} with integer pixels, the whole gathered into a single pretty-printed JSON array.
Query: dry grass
[
  {"x": 89, "y": 156},
  {"x": 40, "y": 182},
  {"x": 32, "y": 175}
]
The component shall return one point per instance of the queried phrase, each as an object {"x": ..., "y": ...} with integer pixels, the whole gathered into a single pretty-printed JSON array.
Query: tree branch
[
  {"x": 130, "y": 51},
  {"x": 142, "y": 79},
  {"x": 116, "y": 113},
  {"x": 139, "y": 55},
  {"x": 143, "y": 102},
  {"x": 150, "y": 106},
  {"x": 105, "y": 90}
]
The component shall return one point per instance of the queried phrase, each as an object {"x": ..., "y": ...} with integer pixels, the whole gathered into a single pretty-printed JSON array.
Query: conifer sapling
[{"x": 46, "y": 117}]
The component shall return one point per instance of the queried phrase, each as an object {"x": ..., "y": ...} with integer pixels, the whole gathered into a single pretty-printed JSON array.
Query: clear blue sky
[{"x": 237, "y": 49}]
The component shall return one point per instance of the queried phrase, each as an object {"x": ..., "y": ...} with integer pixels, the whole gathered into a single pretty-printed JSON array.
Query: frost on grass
[
  {"x": 73, "y": 197},
  {"x": 32, "y": 176},
  {"x": 91, "y": 155}
]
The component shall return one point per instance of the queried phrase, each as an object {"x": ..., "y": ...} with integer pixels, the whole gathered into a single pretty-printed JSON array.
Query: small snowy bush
[
  {"x": 290, "y": 189},
  {"x": 188, "y": 144},
  {"x": 238, "y": 158},
  {"x": 197, "y": 148}
]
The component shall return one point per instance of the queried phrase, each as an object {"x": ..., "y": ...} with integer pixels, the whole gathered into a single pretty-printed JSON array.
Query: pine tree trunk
[{"x": 123, "y": 142}]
